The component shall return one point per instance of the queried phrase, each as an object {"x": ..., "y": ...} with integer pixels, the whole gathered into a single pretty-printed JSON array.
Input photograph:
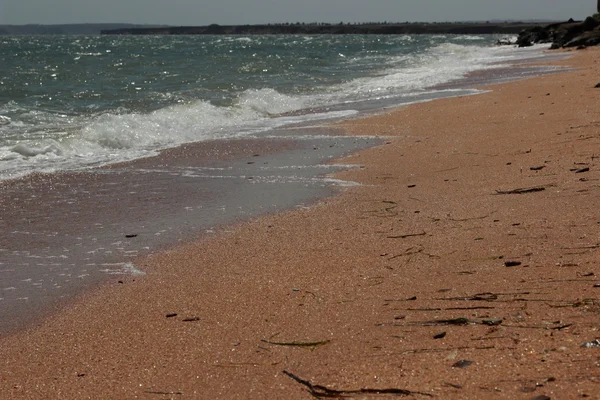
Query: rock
[
  {"x": 563, "y": 34},
  {"x": 593, "y": 343},
  {"x": 462, "y": 364},
  {"x": 524, "y": 41},
  {"x": 586, "y": 39},
  {"x": 590, "y": 23},
  {"x": 492, "y": 321},
  {"x": 512, "y": 263},
  {"x": 505, "y": 42},
  {"x": 580, "y": 33}
]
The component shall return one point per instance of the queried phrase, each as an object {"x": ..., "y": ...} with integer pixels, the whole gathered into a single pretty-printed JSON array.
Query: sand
[
  {"x": 62, "y": 233},
  {"x": 432, "y": 278}
]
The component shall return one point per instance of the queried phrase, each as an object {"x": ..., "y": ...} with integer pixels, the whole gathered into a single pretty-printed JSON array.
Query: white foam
[
  {"x": 125, "y": 269},
  {"x": 441, "y": 64},
  {"x": 73, "y": 141},
  {"x": 27, "y": 151},
  {"x": 269, "y": 101},
  {"x": 118, "y": 137}
]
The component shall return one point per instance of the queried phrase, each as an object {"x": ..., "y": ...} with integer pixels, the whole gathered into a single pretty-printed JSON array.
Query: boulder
[
  {"x": 587, "y": 39},
  {"x": 563, "y": 34}
]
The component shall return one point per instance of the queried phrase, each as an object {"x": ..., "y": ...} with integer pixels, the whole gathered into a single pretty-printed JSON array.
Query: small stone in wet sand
[
  {"x": 512, "y": 263},
  {"x": 593, "y": 343},
  {"x": 462, "y": 364},
  {"x": 439, "y": 335}
]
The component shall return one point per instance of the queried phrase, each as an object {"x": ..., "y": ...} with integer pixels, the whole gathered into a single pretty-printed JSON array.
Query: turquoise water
[{"x": 71, "y": 102}]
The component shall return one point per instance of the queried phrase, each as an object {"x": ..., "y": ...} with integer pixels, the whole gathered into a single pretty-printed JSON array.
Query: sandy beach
[{"x": 464, "y": 266}]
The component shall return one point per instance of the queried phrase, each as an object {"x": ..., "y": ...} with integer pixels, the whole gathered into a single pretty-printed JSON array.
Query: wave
[
  {"x": 114, "y": 137},
  {"x": 270, "y": 101},
  {"x": 45, "y": 140},
  {"x": 27, "y": 151},
  {"x": 417, "y": 72}
]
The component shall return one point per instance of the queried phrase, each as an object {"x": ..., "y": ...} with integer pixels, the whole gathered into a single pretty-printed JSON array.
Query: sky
[{"x": 204, "y": 12}]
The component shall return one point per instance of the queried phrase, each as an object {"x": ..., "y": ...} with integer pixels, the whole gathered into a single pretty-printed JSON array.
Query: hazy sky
[{"x": 202, "y": 12}]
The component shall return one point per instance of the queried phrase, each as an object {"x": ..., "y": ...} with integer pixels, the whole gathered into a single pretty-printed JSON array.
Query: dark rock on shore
[{"x": 579, "y": 34}]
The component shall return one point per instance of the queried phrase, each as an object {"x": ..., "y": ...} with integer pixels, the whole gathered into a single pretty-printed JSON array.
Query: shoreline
[
  {"x": 369, "y": 277},
  {"x": 68, "y": 232},
  {"x": 90, "y": 224}
]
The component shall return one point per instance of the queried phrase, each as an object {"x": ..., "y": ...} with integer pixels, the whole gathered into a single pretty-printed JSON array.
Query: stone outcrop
[{"x": 563, "y": 35}]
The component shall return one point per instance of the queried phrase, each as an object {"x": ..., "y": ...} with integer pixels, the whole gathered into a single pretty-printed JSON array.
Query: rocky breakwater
[{"x": 571, "y": 33}]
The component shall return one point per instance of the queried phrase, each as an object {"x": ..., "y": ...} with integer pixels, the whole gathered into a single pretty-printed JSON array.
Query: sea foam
[{"x": 50, "y": 135}]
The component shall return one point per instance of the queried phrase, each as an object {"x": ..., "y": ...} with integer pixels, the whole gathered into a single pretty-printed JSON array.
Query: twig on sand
[
  {"x": 475, "y": 297},
  {"x": 409, "y": 252},
  {"x": 319, "y": 391},
  {"x": 441, "y": 350},
  {"x": 162, "y": 393},
  {"x": 522, "y": 190},
  {"x": 407, "y": 235},
  {"x": 453, "y": 321},
  {"x": 580, "y": 170},
  {"x": 470, "y": 219},
  {"x": 455, "y": 386},
  {"x": 311, "y": 345},
  {"x": 450, "y": 308},
  {"x": 484, "y": 296}
]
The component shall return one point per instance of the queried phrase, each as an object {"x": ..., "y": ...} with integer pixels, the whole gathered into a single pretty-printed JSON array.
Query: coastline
[
  {"x": 67, "y": 232},
  {"x": 365, "y": 279},
  {"x": 381, "y": 28}
]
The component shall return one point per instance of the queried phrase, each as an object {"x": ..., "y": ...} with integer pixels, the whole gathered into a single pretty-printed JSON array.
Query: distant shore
[
  {"x": 491, "y": 27},
  {"x": 462, "y": 28}
]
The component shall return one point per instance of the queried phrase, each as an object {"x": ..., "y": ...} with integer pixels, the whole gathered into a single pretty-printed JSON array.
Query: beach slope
[{"x": 465, "y": 265}]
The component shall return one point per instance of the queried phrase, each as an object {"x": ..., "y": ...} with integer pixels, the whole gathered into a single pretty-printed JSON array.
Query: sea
[
  {"x": 74, "y": 102},
  {"x": 115, "y": 147}
]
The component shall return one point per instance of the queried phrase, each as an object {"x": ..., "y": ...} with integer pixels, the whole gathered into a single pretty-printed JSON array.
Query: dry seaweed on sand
[
  {"x": 320, "y": 391},
  {"x": 407, "y": 235},
  {"x": 522, "y": 190},
  {"x": 311, "y": 345}
]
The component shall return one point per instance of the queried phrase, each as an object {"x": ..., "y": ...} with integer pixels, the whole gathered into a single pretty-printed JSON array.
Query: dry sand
[{"x": 398, "y": 284}]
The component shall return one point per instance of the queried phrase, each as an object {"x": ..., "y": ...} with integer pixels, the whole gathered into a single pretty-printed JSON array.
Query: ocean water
[
  {"x": 70, "y": 103},
  {"x": 74, "y": 102}
]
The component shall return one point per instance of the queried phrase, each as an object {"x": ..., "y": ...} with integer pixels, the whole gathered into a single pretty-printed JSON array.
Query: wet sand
[
  {"x": 464, "y": 266},
  {"x": 64, "y": 233}
]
